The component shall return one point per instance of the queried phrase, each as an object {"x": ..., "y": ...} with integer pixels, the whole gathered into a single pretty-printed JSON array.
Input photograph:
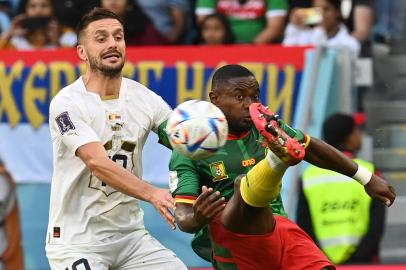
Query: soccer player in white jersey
[{"x": 99, "y": 125}]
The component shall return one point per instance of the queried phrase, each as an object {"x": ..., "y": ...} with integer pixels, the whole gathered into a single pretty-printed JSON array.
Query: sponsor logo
[
  {"x": 218, "y": 170},
  {"x": 248, "y": 162}
]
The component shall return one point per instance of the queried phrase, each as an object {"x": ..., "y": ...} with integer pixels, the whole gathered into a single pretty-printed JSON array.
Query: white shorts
[{"x": 137, "y": 250}]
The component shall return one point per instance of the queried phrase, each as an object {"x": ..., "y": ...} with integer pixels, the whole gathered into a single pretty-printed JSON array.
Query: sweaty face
[
  {"x": 213, "y": 32},
  {"x": 37, "y": 8},
  {"x": 234, "y": 100},
  {"x": 330, "y": 15},
  {"x": 104, "y": 46}
]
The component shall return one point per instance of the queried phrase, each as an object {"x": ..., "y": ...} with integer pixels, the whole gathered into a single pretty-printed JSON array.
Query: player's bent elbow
[
  {"x": 185, "y": 227},
  {"x": 96, "y": 165},
  {"x": 185, "y": 222}
]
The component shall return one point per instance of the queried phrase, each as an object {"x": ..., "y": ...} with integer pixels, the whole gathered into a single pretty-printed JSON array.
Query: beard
[
  {"x": 239, "y": 127},
  {"x": 110, "y": 71}
]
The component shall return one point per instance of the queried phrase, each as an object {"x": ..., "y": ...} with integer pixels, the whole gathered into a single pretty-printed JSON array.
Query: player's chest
[
  {"x": 119, "y": 120},
  {"x": 232, "y": 160}
]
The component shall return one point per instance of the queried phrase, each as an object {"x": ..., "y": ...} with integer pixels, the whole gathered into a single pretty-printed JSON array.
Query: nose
[
  {"x": 112, "y": 43},
  {"x": 247, "y": 102}
]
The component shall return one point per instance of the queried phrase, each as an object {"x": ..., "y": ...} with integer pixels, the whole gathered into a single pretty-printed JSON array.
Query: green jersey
[
  {"x": 246, "y": 19},
  {"x": 219, "y": 171}
]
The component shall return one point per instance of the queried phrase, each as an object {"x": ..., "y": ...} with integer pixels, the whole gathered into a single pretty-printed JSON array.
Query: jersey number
[
  {"x": 117, "y": 157},
  {"x": 96, "y": 183},
  {"x": 79, "y": 262}
]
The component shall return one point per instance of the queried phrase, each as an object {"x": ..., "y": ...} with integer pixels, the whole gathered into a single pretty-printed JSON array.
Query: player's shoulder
[
  {"x": 136, "y": 86},
  {"x": 137, "y": 89},
  {"x": 180, "y": 162},
  {"x": 178, "y": 157},
  {"x": 69, "y": 93}
]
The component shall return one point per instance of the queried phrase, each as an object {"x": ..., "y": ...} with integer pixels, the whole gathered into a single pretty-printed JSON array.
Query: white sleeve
[
  {"x": 161, "y": 112},
  {"x": 69, "y": 125}
]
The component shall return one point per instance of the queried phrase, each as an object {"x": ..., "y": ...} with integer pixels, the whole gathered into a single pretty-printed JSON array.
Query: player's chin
[
  {"x": 114, "y": 64},
  {"x": 112, "y": 69},
  {"x": 245, "y": 125}
]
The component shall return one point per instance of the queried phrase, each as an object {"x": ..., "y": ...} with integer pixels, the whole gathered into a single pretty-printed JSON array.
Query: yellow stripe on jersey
[{"x": 185, "y": 199}]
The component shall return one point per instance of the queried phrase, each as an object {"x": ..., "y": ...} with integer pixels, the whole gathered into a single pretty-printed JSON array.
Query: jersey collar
[{"x": 232, "y": 137}]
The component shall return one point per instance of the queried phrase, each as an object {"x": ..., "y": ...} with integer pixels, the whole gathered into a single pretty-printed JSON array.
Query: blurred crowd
[{"x": 31, "y": 24}]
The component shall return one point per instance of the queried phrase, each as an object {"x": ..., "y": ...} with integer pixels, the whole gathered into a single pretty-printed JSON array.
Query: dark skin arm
[
  {"x": 325, "y": 156},
  {"x": 192, "y": 217},
  {"x": 318, "y": 153}
]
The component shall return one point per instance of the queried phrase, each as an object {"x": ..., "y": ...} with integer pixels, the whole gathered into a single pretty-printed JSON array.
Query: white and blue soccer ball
[{"x": 197, "y": 129}]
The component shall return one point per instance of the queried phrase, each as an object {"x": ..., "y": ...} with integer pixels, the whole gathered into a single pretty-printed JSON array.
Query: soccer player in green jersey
[{"x": 202, "y": 188}]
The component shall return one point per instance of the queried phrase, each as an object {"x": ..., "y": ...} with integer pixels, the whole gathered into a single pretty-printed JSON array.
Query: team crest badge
[{"x": 218, "y": 170}]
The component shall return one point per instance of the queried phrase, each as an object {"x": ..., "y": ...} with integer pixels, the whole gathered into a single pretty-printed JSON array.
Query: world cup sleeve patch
[{"x": 64, "y": 123}]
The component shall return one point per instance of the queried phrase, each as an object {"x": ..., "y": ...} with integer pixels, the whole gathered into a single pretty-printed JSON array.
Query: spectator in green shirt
[{"x": 252, "y": 21}]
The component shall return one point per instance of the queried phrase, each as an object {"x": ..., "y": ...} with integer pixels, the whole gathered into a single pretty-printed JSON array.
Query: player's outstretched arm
[
  {"x": 96, "y": 159},
  {"x": 192, "y": 217},
  {"x": 325, "y": 156}
]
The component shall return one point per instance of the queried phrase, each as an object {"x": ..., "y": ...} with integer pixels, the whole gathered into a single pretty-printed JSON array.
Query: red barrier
[{"x": 210, "y": 56}]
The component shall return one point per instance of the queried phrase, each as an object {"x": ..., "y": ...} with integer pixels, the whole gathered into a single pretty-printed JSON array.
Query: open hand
[
  {"x": 207, "y": 205},
  {"x": 379, "y": 189},
  {"x": 163, "y": 202}
]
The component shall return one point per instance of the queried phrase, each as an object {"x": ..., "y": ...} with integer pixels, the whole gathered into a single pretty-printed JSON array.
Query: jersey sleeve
[
  {"x": 205, "y": 7},
  {"x": 184, "y": 178},
  {"x": 67, "y": 123},
  {"x": 163, "y": 136},
  {"x": 276, "y": 8},
  {"x": 161, "y": 112}
]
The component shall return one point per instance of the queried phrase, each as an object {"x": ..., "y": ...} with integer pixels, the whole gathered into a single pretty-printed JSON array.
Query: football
[{"x": 197, "y": 129}]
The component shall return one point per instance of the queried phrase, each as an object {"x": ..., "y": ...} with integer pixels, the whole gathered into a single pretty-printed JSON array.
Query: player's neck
[
  {"x": 101, "y": 84},
  {"x": 237, "y": 135}
]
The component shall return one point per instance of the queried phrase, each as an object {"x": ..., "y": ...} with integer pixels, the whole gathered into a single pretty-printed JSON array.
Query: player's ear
[
  {"x": 214, "y": 97},
  {"x": 81, "y": 52}
]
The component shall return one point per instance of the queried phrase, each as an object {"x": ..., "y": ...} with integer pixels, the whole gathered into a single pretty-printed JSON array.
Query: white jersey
[{"x": 83, "y": 209}]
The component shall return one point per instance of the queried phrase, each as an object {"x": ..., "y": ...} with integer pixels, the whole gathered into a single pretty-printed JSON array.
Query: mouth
[
  {"x": 112, "y": 56},
  {"x": 247, "y": 119}
]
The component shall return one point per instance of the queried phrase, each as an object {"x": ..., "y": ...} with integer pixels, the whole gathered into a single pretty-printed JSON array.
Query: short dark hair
[
  {"x": 95, "y": 14},
  {"x": 337, "y": 128},
  {"x": 336, "y": 4},
  {"x": 228, "y": 72}
]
